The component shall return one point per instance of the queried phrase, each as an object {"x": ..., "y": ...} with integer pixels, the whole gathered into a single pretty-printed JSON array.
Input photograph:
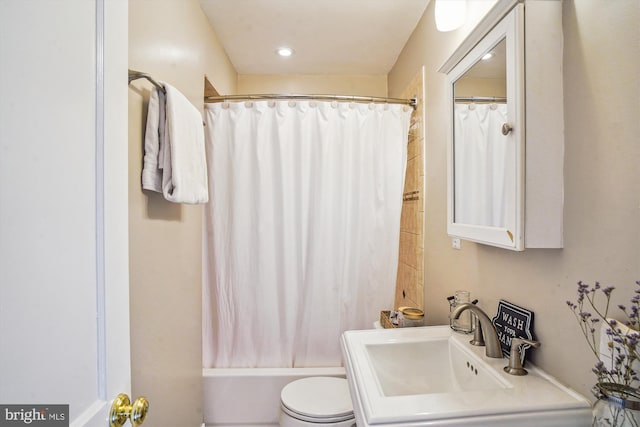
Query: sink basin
[
  {"x": 432, "y": 376},
  {"x": 429, "y": 366}
]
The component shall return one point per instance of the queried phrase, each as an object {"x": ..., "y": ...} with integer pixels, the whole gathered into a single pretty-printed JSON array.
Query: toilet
[{"x": 316, "y": 402}]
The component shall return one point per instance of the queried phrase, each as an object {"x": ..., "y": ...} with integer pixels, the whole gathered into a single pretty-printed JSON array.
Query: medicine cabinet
[{"x": 506, "y": 142}]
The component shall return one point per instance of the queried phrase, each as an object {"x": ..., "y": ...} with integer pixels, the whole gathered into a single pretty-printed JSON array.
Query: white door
[{"x": 64, "y": 299}]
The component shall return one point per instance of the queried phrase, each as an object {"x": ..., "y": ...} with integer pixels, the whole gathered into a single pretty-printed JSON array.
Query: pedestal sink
[{"x": 432, "y": 376}]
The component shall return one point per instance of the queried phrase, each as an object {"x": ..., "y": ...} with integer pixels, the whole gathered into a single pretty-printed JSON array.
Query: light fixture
[
  {"x": 284, "y": 51},
  {"x": 487, "y": 56},
  {"x": 450, "y": 14}
]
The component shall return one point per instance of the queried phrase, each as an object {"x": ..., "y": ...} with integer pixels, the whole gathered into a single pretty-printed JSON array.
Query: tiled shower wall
[{"x": 410, "y": 279}]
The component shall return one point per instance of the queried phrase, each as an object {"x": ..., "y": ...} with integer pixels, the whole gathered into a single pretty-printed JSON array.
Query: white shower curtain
[
  {"x": 484, "y": 187},
  {"x": 302, "y": 228}
]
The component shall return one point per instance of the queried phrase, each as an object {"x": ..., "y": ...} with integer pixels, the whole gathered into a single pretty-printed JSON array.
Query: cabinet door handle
[{"x": 506, "y": 128}]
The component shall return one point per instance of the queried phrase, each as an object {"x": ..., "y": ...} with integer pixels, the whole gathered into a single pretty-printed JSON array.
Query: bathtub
[{"x": 239, "y": 397}]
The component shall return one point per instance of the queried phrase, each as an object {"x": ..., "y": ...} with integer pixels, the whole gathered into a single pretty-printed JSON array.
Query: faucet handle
[{"x": 515, "y": 357}]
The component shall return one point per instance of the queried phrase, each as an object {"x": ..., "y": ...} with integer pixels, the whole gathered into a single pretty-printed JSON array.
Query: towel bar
[{"x": 135, "y": 75}]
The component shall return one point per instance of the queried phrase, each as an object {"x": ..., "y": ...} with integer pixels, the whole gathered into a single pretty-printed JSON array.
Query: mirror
[
  {"x": 484, "y": 160},
  {"x": 486, "y": 151}
]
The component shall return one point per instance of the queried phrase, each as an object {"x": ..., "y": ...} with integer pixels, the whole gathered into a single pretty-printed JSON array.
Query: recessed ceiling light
[
  {"x": 284, "y": 51},
  {"x": 487, "y": 56}
]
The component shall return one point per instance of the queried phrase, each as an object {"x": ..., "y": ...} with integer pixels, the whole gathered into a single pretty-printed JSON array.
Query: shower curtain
[
  {"x": 484, "y": 187},
  {"x": 302, "y": 228}
]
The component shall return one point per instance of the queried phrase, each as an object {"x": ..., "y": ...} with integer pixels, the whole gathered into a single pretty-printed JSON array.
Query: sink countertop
[{"x": 536, "y": 396}]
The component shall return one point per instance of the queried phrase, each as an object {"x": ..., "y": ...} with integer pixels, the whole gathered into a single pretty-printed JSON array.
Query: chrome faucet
[{"x": 485, "y": 333}]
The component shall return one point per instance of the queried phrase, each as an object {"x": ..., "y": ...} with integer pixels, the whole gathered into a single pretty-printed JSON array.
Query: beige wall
[
  {"x": 602, "y": 200},
  {"x": 361, "y": 85},
  {"x": 467, "y": 86},
  {"x": 172, "y": 41}
]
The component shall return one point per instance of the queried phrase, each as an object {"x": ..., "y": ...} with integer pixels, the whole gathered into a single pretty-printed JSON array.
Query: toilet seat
[{"x": 318, "y": 400}]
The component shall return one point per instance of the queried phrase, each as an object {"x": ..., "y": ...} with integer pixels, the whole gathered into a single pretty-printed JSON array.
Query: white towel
[
  {"x": 154, "y": 140},
  {"x": 174, "y": 158}
]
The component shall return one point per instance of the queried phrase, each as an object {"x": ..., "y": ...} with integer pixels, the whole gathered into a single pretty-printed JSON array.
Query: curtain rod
[
  {"x": 481, "y": 99},
  {"x": 413, "y": 102},
  {"x": 135, "y": 75}
]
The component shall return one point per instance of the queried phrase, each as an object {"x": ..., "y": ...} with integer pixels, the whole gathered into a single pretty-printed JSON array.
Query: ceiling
[{"x": 327, "y": 36}]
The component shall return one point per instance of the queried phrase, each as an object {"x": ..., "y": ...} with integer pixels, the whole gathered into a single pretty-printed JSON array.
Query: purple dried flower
[
  {"x": 624, "y": 348},
  {"x": 584, "y": 315},
  {"x": 599, "y": 368}
]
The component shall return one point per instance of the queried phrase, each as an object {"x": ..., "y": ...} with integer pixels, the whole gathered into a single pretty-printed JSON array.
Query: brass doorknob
[
  {"x": 506, "y": 128},
  {"x": 121, "y": 409}
]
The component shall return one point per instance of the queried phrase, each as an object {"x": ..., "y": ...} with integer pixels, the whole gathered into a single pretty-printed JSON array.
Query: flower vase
[{"x": 617, "y": 406}]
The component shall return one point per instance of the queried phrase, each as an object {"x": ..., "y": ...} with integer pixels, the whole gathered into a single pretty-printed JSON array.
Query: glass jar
[
  {"x": 617, "y": 406},
  {"x": 411, "y": 316},
  {"x": 463, "y": 323}
]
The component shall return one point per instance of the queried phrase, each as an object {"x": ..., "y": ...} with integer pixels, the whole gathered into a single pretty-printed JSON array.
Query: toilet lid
[{"x": 318, "y": 397}]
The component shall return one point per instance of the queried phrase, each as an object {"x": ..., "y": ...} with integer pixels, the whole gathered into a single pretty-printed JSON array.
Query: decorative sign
[{"x": 510, "y": 322}]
